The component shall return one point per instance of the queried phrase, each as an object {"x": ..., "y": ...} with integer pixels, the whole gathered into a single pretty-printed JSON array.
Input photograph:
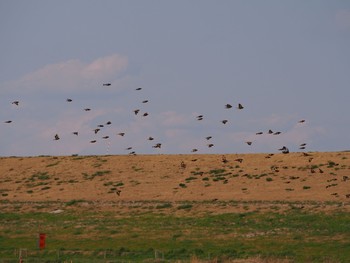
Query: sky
[{"x": 284, "y": 61}]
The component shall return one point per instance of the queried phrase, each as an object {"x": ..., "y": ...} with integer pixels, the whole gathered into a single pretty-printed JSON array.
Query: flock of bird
[{"x": 137, "y": 111}]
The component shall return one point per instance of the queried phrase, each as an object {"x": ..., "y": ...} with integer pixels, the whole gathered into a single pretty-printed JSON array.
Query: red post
[{"x": 42, "y": 238}]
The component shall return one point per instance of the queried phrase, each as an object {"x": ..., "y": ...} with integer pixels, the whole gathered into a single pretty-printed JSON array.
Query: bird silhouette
[
  {"x": 121, "y": 133},
  {"x": 93, "y": 141},
  {"x": 259, "y": 133},
  {"x": 108, "y": 123},
  {"x": 145, "y": 101},
  {"x": 69, "y": 100},
  {"x": 249, "y": 143},
  {"x": 194, "y": 150},
  {"x": 270, "y": 132},
  {"x": 75, "y": 133},
  {"x": 224, "y": 121},
  {"x": 96, "y": 131},
  {"x": 129, "y": 148},
  {"x": 210, "y": 145},
  {"x": 158, "y": 145},
  {"x": 16, "y": 102},
  {"x": 145, "y": 114},
  {"x": 301, "y": 121},
  {"x": 107, "y": 84},
  {"x": 208, "y": 137},
  {"x": 276, "y": 133},
  {"x": 199, "y": 117},
  {"x": 105, "y": 137},
  {"x": 150, "y": 138},
  {"x": 138, "y": 89},
  {"x": 7, "y": 121},
  {"x": 87, "y": 109},
  {"x": 228, "y": 106},
  {"x": 56, "y": 137},
  {"x": 136, "y": 111},
  {"x": 240, "y": 107}
]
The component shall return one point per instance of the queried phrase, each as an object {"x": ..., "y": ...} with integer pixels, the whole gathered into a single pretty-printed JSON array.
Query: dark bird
[
  {"x": 69, "y": 100},
  {"x": 136, "y": 111},
  {"x": 108, "y": 123},
  {"x": 277, "y": 133},
  {"x": 8, "y": 121},
  {"x": 240, "y": 107},
  {"x": 208, "y": 138},
  {"x": 302, "y": 148},
  {"x": 93, "y": 141},
  {"x": 150, "y": 138},
  {"x": 105, "y": 137},
  {"x": 301, "y": 121},
  {"x": 224, "y": 121},
  {"x": 121, "y": 133},
  {"x": 145, "y": 114},
  {"x": 96, "y": 131},
  {"x": 100, "y": 126},
  {"x": 194, "y": 150},
  {"x": 138, "y": 89},
  {"x": 145, "y": 101},
  {"x": 210, "y": 145},
  {"x": 129, "y": 148},
  {"x": 16, "y": 102},
  {"x": 228, "y": 106},
  {"x": 107, "y": 84},
  {"x": 87, "y": 109},
  {"x": 303, "y": 144},
  {"x": 158, "y": 145},
  {"x": 283, "y": 148},
  {"x": 199, "y": 117},
  {"x": 270, "y": 132},
  {"x": 56, "y": 137},
  {"x": 249, "y": 143},
  {"x": 259, "y": 133},
  {"x": 75, "y": 133}
]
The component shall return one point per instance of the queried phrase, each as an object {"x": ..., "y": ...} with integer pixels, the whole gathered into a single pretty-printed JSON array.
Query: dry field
[{"x": 321, "y": 177}]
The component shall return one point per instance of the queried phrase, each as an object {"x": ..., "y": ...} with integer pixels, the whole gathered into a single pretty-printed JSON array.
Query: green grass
[{"x": 136, "y": 236}]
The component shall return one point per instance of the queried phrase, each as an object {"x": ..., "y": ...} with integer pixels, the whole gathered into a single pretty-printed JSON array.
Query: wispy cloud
[{"x": 72, "y": 75}]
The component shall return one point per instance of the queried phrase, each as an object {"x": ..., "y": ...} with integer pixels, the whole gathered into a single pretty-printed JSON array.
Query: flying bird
[
  {"x": 301, "y": 121},
  {"x": 138, "y": 89},
  {"x": 56, "y": 137},
  {"x": 121, "y": 133},
  {"x": 100, "y": 126},
  {"x": 276, "y": 133},
  {"x": 136, "y": 111},
  {"x": 259, "y": 133},
  {"x": 240, "y": 107},
  {"x": 145, "y": 114},
  {"x": 105, "y": 137},
  {"x": 107, "y": 84},
  {"x": 210, "y": 145},
  {"x": 224, "y": 121},
  {"x": 108, "y": 123},
  {"x": 93, "y": 141},
  {"x": 194, "y": 150},
  {"x": 16, "y": 102},
  {"x": 249, "y": 143},
  {"x": 87, "y": 109},
  {"x": 158, "y": 145},
  {"x": 129, "y": 148},
  {"x": 75, "y": 133},
  {"x": 228, "y": 106},
  {"x": 270, "y": 132},
  {"x": 199, "y": 117},
  {"x": 96, "y": 131},
  {"x": 145, "y": 101},
  {"x": 208, "y": 138},
  {"x": 8, "y": 121},
  {"x": 150, "y": 138},
  {"x": 69, "y": 100}
]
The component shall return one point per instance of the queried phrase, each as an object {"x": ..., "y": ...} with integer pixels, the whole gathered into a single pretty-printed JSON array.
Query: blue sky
[{"x": 284, "y": 61}]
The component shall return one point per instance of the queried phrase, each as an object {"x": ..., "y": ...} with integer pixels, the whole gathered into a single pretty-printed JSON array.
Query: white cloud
[{"x": 73, "y": 75}]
